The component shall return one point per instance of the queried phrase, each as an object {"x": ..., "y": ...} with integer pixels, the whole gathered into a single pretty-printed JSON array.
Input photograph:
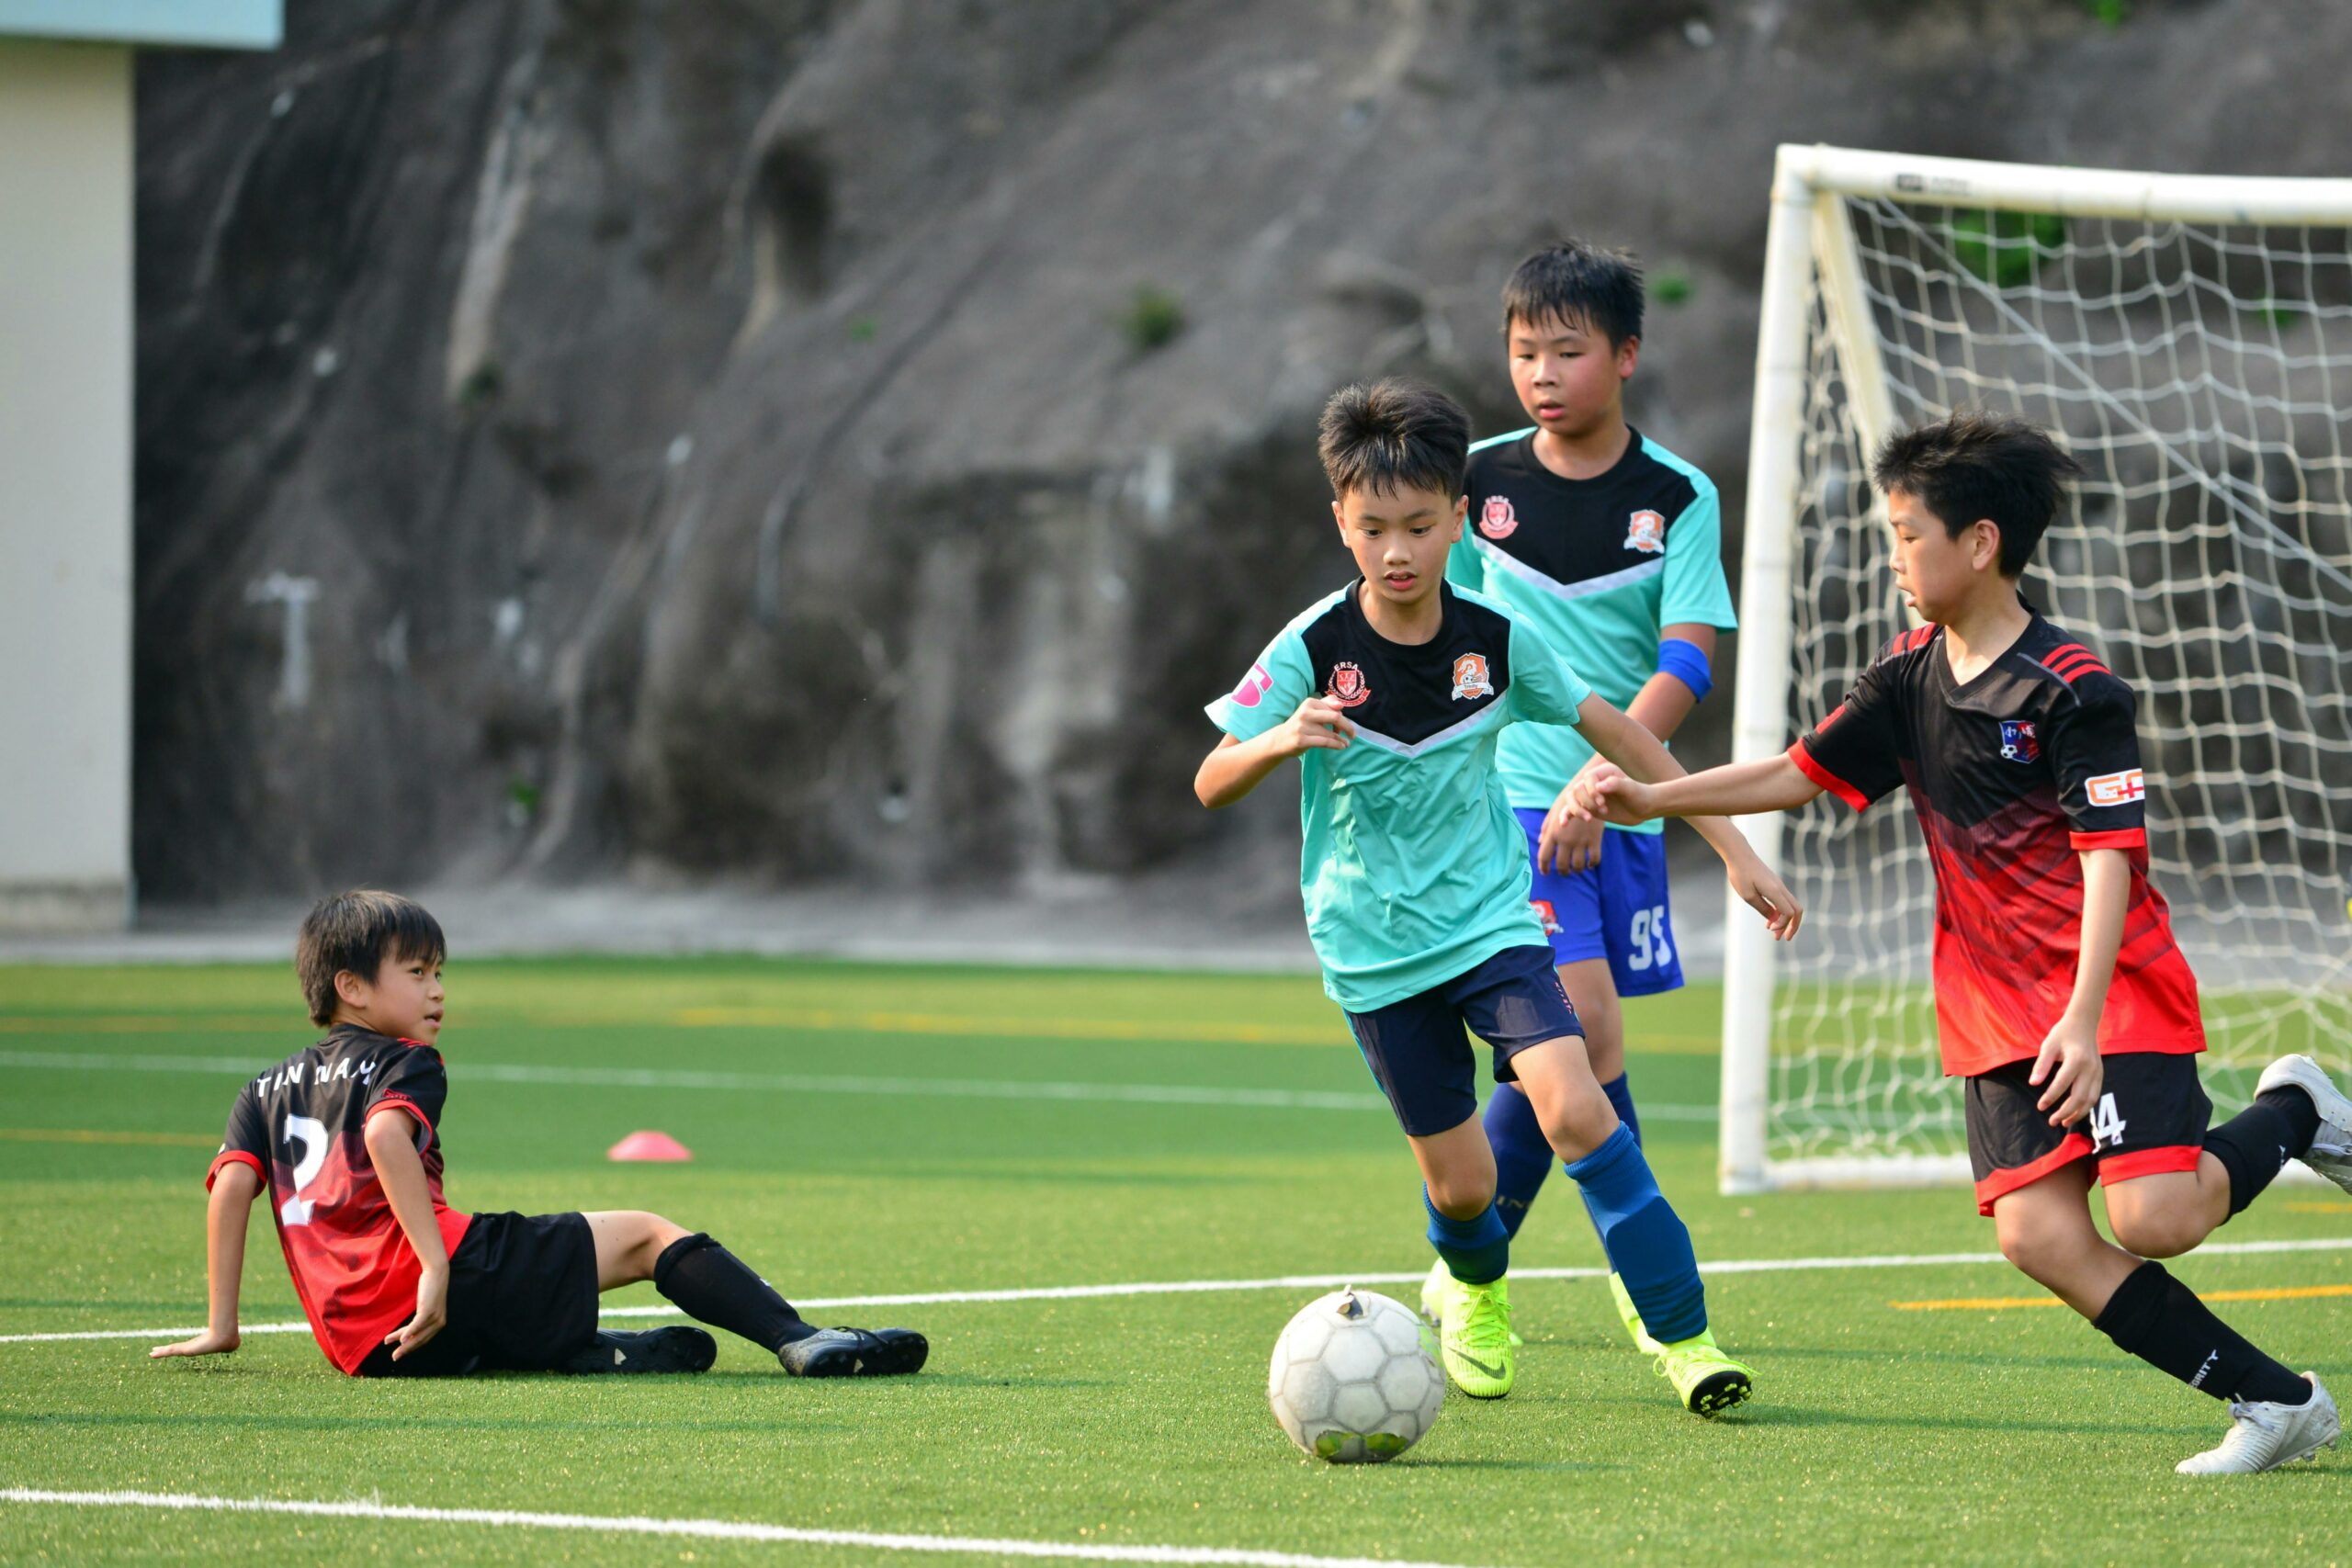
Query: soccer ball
[{"x": 1355, "y": 1378}]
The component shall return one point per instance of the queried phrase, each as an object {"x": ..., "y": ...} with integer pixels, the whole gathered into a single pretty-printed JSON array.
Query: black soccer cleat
[
  {"x": 856, "y": 1353},
  {"x": 675, "y": 1349}
]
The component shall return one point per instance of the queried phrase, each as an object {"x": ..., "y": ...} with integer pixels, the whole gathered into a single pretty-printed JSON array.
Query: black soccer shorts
[
  {"x": 2150, "y": 1117},
  {"x": 522, "y": 1298}
]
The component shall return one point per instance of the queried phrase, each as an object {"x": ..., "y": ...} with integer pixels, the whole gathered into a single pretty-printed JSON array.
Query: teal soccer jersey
[
  {"x": 1412, "y": 866},
  {"x": 1598, "y": 566}
]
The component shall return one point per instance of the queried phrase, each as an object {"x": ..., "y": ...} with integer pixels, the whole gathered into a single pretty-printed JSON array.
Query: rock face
[{"x": 790, "y": 439}]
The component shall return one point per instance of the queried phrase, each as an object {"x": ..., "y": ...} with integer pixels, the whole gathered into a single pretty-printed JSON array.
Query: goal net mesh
[{"x": 2201, "y": 374}]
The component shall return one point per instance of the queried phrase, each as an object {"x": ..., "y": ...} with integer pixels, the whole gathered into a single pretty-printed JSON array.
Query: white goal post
[{"x": 2189, "y": 338}]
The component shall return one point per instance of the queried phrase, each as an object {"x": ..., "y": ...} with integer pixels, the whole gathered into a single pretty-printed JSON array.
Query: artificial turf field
[{"x": 863, "y": 1131}]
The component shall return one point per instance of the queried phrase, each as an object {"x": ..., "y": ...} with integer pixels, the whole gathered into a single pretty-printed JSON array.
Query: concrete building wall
[{"x": 65, "y": 435}]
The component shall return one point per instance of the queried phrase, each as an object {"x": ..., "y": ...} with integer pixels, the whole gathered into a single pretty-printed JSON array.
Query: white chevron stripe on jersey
[
  {"x": 1506, "y": 561},
  {"x": 1389, "y": 743}
]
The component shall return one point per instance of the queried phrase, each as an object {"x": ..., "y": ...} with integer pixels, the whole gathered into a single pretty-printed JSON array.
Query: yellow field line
[
  {"x": 94, "y": 1135},
  {"x": 1997, "y": 1303},
  {"x": 2322, "y": 1206}
]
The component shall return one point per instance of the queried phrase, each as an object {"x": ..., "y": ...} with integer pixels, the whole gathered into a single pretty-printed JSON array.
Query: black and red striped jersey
[
  {"x": 2012, "y": 773},
  {"x": 301, "y": 1125}
]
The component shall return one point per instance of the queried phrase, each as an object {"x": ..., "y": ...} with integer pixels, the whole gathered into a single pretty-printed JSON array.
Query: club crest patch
[
  {"x": 1253, "y": 688},
  {"x": 1348, "y": 686},
  {"x": 1645, "y": 531},
  {"x": 1549, "y": 916},
  {"x": 2018, "y": 743},
  {"x": 1470, "y": 678},
  {"x": 1495, "y": 519}
]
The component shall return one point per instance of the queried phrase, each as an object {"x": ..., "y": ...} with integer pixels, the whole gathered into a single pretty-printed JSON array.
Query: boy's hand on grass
[
  {"x": 1761, "y": 889},
  {"x": 432, "y": 1314},
  {"x": 1604, "y": 793},
  {"x": 207, "y": 1343},
  {"x": 1318, "y": 725},
  {"x": 2069, "y": 1059}
]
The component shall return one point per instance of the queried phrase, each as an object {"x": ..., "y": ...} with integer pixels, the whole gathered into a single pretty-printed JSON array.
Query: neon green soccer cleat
[
  {"x": 1474, "y": 1338},
  {"x": 1433, "y": 1300},
  {"x": 1632, "y": 1318},
  {"x": 1709, "y": 1382}
]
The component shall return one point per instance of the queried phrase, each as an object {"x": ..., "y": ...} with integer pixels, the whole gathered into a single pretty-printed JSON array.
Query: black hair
[
  {"x": 1578, "y": 284},
  {"x": 357, "y": 931},
  {"x": 1978, "y": 465},
  {"x": 1393, "y": 435}
]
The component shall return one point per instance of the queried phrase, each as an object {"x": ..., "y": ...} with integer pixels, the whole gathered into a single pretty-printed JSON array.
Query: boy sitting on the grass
[
  {"x": 396, "y": 1284},
  {"x": 2061, "y": 995}
]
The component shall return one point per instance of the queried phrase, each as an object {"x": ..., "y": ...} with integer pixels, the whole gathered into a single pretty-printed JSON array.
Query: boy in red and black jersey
[
  {"x": 2061, "y": 995},
  {"x": 345, "y": 1136}
]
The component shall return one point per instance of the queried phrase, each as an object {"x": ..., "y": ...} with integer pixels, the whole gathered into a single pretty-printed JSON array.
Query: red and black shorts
[{"x": 2150, "y": 1117}]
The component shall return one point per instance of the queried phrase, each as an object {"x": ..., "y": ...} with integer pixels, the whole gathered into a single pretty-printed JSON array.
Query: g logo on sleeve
[{"x": 2117, "y": 789}]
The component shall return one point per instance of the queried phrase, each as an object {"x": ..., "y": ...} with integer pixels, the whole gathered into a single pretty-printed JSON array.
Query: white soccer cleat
[
  {"x": 2264, "y": 1437},
  {"x": 2331, "y": 1151}
]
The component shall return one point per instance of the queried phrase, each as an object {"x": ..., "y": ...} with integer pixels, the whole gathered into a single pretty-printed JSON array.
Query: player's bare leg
[
  {"x": 2045, "y": 1229},
  {"x": 1472, "y": 1297}
]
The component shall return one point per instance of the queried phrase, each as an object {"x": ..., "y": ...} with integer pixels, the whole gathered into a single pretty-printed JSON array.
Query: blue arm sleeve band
[{"x": 1686, "y": 663}]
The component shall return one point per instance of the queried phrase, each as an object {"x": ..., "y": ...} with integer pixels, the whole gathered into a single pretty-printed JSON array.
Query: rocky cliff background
[{"x": 789, "y": 440}]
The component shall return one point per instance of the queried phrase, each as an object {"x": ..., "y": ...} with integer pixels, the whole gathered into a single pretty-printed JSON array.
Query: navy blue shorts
[
  {"x": 1424, "y": 1061},
  {"x": 1616, "y": 910}
]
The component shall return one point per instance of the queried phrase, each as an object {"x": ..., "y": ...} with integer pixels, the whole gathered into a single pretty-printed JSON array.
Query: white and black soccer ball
[{"x": 1355, "y": 1378}]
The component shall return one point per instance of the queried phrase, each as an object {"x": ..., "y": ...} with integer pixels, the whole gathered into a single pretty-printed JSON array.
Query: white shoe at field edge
[
  {"x": 2331, "y": 1152},
  {"x": 2263, "y": 1437}
]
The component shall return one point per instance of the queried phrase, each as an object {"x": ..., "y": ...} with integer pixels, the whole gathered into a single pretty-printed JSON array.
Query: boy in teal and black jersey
[
  {"x": 1612, "y": 546},
  {"x": 1393, "y": 693}
]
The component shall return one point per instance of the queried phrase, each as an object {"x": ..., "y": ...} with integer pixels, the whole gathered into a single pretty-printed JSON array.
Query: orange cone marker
[{"x": 648, "y": 1147}]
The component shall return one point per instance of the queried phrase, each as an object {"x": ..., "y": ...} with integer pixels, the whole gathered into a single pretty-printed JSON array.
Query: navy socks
[
  {"x": 1523, "y": 1156},
  {"x": 1646, "y": 1242},
  {"x": 1476, "y": 1251}
]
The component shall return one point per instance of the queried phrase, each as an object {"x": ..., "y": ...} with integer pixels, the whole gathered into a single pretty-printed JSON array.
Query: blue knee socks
[
  {"x": 1522, "y": 1154},
  {"x": 1646, "y": 1242},
  {"x": 1476, "y": 1251}
]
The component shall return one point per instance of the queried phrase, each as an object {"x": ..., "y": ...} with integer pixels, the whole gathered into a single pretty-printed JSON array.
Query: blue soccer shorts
[
  {"x": 1425, "y": 1064},
  {"x": 1616, "y": 910}
]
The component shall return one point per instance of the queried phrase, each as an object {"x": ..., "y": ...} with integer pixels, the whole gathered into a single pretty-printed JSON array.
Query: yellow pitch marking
[
  {"x": 1999, "y": 1304},
  {"x": 96, "y": 1136}
]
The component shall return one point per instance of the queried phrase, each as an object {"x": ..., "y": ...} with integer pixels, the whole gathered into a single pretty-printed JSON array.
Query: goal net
[{"x": 2189, "y": 340}]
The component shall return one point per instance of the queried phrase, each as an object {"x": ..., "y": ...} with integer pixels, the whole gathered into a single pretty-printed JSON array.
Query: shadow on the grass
[{"x": 1770, "y": 1415}]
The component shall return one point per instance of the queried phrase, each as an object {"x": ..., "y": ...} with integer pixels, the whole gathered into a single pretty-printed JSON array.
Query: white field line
[
  {"x": 1279, "y": 1282},
  {"x": 810, "y": 1083},
  {"x": 707, "y": 1530}
]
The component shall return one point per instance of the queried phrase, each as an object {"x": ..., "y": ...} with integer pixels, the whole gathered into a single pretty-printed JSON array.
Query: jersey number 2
[{"x": 311, "y": 1133}]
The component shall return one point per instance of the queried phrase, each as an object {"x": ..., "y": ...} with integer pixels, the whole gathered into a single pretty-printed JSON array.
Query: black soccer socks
[
  {"x": 2160, "y": 1320},
  {"x": 2254, "y": 1145},
  {"x": 712, "y": 1284}
]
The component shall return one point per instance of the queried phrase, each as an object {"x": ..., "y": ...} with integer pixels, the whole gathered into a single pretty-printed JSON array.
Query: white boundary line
[
  {"x": 709, "y": 1529},
  {"x": 812, "y": 1083},
  {"x": 1279, "y": 1282}
]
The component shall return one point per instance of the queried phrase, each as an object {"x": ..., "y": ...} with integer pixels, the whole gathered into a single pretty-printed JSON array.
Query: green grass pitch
[{"x": 862, "y": 1129}]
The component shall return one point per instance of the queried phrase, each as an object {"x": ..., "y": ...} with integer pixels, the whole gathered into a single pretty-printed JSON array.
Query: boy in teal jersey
[
  {"x": 1394, "y": 693},
  {"x": 1611, "y": 547}
]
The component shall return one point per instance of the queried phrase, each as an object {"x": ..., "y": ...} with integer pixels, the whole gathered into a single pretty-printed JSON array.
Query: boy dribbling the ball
[{"x": 1391, "y": 693}]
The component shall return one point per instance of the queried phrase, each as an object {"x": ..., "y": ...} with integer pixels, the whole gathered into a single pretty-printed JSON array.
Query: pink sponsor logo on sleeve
[{"x": 1253, "y": 688}]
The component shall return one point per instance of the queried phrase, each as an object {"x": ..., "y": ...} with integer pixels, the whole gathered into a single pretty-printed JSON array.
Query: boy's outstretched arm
[
  {"x": 1736, "y": 789},
  {"x": 225, "y": 1213},
  {"x": 1635, "y": 752},
  {"x": 391, "y": 1149},
  {"x": 1236, "y": 767}
]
